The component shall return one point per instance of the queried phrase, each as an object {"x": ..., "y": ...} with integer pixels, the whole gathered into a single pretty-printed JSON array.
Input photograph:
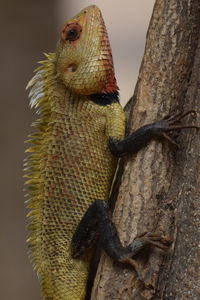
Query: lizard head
[{"x": 83, "y": 55}]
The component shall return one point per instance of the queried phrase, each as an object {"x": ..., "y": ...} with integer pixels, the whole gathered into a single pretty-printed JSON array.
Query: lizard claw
[
  {"x": 155, "y": 239},
  {"x": 173, "y": 120},
  {"x": 171, "y": 123},
  {"x": 139, "y": 243},
  {"x": 179, "y": 116}
]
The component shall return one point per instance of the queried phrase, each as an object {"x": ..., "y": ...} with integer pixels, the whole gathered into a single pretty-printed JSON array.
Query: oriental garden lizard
[{"x": 77, "y": 142}]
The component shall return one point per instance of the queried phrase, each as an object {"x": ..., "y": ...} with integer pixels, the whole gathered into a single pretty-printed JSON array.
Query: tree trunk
[{"x": 159, "y": 188}]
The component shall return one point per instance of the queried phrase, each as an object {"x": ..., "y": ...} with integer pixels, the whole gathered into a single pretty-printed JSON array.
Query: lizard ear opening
[
  {"x": 71, "y": 32},
  {"x": 72, "y": 68}
]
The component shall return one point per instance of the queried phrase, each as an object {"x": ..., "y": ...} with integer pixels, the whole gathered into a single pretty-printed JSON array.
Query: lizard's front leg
[{"x": 138, "y": 139}]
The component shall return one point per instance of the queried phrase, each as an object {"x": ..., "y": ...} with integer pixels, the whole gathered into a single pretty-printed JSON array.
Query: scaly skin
[{"x": 71, "y": 165}]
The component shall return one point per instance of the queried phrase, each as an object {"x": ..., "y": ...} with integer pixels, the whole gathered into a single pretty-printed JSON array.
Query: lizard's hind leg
[{"x": 98, "y": 219}]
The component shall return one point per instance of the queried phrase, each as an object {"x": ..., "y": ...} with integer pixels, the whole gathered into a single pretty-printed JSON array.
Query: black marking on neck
[{"x": 104, "y": 99}]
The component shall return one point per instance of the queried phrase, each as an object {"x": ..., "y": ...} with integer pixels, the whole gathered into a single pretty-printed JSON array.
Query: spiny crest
[
  {"x": 41, "y": 83},
  {"x": 41, "y": 88}
]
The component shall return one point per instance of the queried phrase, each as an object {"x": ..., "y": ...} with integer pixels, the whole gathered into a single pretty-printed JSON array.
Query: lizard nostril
[{"x": 72, "y": 67}]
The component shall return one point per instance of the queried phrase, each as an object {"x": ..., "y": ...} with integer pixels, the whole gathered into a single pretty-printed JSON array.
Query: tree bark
[{"x": 159, "y": 188}]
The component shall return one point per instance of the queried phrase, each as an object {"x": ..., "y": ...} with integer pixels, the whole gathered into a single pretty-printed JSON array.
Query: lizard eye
[{"x": 71, "y": 32}]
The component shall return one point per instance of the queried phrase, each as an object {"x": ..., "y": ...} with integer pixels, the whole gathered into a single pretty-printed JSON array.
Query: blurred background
[{"x": 29, "y": 28}]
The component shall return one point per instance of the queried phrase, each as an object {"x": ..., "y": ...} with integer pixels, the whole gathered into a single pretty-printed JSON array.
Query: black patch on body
[{"x": 104, "y": 99}]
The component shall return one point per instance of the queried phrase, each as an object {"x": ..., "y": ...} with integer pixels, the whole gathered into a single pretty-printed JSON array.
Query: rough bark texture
[{"x": 160, "y": 185}]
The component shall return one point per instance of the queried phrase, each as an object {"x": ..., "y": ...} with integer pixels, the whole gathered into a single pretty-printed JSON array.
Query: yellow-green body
[{"x": 71, "y": 166}]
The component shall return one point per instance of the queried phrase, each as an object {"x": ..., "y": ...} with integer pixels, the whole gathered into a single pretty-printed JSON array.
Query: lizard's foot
[
  {"x": 155, "y": 239},
  {"x": 172, "y": 123},
  {"x": 140, "y": 243},
  {"x": 144, "y": 240}
]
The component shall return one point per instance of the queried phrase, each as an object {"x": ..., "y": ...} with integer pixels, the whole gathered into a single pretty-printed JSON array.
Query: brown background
[{"x": 29, "y": 28}]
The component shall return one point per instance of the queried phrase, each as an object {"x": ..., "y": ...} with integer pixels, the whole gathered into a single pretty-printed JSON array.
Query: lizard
[{"x": 76, "y": 145}]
